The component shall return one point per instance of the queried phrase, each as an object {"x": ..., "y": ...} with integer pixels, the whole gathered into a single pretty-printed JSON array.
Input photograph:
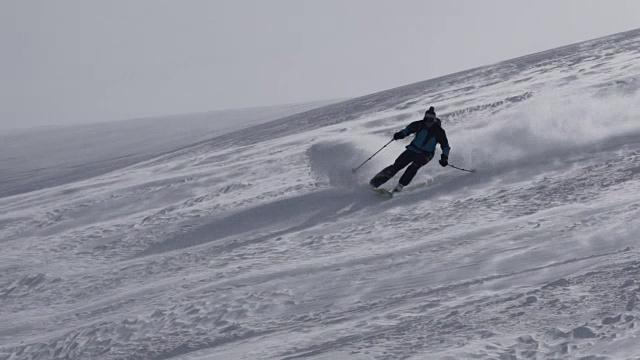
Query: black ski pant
[{"x": 417, "y": 160}]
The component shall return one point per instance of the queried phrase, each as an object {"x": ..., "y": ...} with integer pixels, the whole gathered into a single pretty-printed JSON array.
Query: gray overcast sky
[{"x": 80, "y": 61}]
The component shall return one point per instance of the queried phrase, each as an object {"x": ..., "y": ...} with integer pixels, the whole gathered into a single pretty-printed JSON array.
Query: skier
[{"x": 428, "y": 132}]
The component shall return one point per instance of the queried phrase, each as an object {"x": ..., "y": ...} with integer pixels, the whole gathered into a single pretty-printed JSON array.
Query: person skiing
[{"x": 428, "y": 132}]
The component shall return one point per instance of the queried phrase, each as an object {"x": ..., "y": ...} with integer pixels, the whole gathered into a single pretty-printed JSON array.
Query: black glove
[
  {"x": 397, "y": 136},
  {"x": 444, "y": 161}
]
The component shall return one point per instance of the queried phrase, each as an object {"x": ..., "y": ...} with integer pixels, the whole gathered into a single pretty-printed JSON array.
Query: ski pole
[
  {"x": 455, "y": 167},
  {"x": 356, "y": 169}
]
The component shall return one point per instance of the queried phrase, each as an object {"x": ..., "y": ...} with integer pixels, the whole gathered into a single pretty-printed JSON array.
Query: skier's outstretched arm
[
  {"x": 444, "y": 146},
  {"x": 410, "y": 129}
]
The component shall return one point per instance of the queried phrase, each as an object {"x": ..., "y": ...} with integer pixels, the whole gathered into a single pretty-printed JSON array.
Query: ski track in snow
[{"x": 262, "y": 244}]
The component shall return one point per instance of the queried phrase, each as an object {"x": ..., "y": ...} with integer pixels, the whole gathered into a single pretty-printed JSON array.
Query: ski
[{"x": 383, "y": 192}]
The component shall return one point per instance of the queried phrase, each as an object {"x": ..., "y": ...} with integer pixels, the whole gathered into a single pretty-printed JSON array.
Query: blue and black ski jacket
[{"x": 426, "y": 138}]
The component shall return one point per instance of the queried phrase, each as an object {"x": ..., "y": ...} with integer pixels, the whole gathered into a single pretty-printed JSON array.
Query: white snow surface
[{"x": 261, "y": 243}]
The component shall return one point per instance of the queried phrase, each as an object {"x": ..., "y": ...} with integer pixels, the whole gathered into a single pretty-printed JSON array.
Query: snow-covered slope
[
  {"x": 262, "y": 244},
  {"x": 34, "y": 159}
]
